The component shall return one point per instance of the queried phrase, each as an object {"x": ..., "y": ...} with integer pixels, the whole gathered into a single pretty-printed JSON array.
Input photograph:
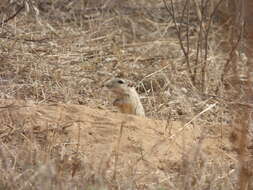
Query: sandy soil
[{"x": 125, "y": 145}]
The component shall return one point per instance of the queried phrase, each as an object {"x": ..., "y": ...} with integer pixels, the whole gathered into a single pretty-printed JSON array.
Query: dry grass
[{"x": 63, "y": 51}]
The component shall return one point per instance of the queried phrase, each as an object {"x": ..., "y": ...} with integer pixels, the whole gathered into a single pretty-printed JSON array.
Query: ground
[
  {"x": 82, "y": 141},
  {"x": 59, "y": 129}
]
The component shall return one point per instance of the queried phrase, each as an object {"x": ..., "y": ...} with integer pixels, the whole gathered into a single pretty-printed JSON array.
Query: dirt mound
[{"x": 125, "y": 145}]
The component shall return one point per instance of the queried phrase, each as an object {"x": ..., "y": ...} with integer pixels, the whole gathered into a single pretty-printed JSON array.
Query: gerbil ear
[{"x": 131, "y": 84}]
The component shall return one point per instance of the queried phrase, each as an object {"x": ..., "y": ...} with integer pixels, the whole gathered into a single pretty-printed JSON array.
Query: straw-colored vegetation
[{"x": 57, "y": 126}]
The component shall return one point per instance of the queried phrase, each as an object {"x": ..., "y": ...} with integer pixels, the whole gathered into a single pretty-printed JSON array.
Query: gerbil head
[{"x": 118, "y": 85}]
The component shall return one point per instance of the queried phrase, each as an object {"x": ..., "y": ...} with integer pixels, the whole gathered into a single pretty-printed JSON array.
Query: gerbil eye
[{"x": 120, "y": 81}]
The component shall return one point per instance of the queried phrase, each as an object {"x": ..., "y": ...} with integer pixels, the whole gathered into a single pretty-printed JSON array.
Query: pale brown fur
[{"x": 127, "y": 99}]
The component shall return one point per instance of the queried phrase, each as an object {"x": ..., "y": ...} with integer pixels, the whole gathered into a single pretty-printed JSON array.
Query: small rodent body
[{"x": 127, "y": 99}]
